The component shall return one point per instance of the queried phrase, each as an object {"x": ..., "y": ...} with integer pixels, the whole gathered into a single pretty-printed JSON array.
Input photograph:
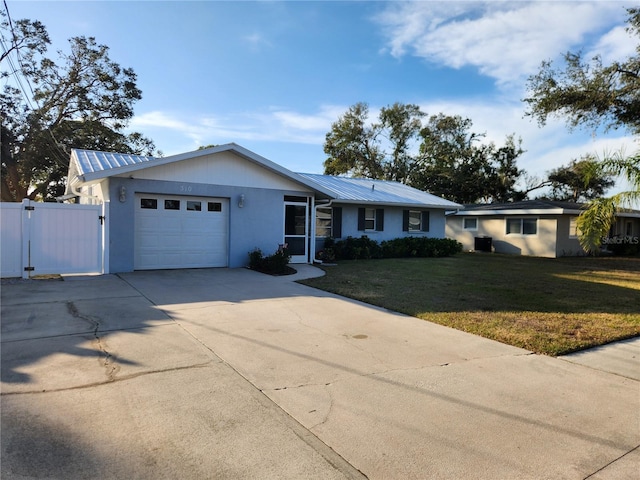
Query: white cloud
[
  {"x": 614, "y": 45},
  {"x": 164, "y": 128},
  {"x": 158, "y": 119},
  {"x": 546, "y": 148},
  {"x": 504, "y": 40},
  {"x": 181, "y": 131},
  {"x": 319, "y": 122},
  {"x": 507, "y": 41}
]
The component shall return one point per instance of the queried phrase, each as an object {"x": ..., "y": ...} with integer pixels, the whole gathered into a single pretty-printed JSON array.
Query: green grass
[{"x": 549, "y": 306}]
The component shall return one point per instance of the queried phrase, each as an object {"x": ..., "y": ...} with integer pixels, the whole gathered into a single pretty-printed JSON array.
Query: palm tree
[{"x": 594, "y": 223}]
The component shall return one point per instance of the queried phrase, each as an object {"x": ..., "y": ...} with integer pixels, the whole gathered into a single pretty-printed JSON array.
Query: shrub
[
  {"x": 276, "y": 264},
  {"x": 256, "y": 258},
  {"x": 420, "y": 247},
  {"x": 357, "y": 248},
  {"x": 328, "y": 253},
  {"x": 365, "y": 248},
  {"x": 625, "y": 248}
]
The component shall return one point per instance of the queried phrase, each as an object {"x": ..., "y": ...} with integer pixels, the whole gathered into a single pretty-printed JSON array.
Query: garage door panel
[
  {"x": 173, "y": 242},
  {"x": 185, "y": 238}
]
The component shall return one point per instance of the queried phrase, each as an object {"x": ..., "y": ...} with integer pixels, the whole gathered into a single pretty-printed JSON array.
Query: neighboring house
[
  {"x": 211, "y": 207},
  {"x": 540, "y": 228}
]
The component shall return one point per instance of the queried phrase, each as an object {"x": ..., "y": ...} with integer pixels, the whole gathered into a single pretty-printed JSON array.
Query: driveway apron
[{"x": 221, "y": 373}]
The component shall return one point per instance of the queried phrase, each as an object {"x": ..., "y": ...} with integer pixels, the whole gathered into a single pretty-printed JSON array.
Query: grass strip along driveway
[{"x": 548, "y": 306}]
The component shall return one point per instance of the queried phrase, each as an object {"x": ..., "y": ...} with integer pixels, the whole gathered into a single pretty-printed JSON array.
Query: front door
[{"x": 296, "y": 221}]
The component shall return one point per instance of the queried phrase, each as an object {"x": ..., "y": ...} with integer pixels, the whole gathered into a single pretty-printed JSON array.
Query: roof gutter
[
  {"x": 74, "y": 185},
  {"x": 537, "y": 211},
  {"x": 343, "y": 201}
]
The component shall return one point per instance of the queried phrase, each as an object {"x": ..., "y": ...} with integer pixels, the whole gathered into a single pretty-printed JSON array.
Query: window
[
  {"x": 172, "y": 204},
  {"x": 151, "y": 203},
  {"x": 469, "y": 223},
  {"x": 371, "y": 219},
  {"x": 214, "y": 207},
  {"x": 529, "y": 226},
  {"x": 415, "y": 221},
  {"x": 193, "y": 206},
  {"x": 323, "y": 222},
  {"x": 628, "y": 229},
  {"x": 522, "y": 226},
  {"x": 574, "y": 231},
  {"x": 295, "y": 219},
  {"x": 514, "y": 225},
  {"x": 292, "y": 198}
]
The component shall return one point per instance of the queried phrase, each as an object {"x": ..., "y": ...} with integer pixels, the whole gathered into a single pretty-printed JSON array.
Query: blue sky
[{"x": 273, "y": 76}]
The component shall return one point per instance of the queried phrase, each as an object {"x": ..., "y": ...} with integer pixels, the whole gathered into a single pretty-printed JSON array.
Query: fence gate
[{"x": 48, "y": 238}]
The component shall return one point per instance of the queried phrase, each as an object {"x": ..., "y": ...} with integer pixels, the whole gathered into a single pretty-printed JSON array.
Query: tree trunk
[{"x": 12, "y": 188}]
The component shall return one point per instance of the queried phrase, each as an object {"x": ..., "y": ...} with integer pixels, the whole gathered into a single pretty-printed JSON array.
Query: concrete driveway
[{"x": 234, "y": 374}]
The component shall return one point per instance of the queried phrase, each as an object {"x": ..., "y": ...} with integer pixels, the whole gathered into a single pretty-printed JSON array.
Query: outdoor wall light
[
  {"x": 123, "y": 194},
  {"x": 241, "y": 201}
]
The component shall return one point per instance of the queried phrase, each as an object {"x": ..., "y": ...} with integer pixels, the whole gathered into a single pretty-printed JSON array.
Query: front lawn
[{"x": 549, "y": 306}]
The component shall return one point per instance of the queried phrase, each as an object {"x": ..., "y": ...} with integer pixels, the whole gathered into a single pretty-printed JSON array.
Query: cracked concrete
[
  {"x": 107, "y": 359},
  {"x": 105, "y": 382},
  {"x": 235, "y": 374},
  {"x": 95, "y": 386}
]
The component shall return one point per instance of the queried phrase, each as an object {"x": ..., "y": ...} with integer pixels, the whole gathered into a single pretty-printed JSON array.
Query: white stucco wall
[
  {"x": 392, "y": 224},
  {"x": 223, "y": 168}
]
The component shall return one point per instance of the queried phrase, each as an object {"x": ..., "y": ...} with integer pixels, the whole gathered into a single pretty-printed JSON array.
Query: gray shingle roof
[
  {"x": 526, "y": 204},
  {"x": 525, "y": 207}
]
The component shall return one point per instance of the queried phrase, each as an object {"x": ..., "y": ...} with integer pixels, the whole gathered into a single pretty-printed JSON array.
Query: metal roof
[
  {"x": 382, "y": 192},
  {"x": 89, "y": 166},
  {"x": 90, "y": 161}
]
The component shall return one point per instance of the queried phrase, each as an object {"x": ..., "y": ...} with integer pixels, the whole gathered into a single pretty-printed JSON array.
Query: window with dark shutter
[
  {"x": 379, "y": 219},
  {"x": 336, "y": 221},
  {"x": 415, "y": 221},
  {"x": 361, "y": 218},
  {"x": 425, "y": 221}
]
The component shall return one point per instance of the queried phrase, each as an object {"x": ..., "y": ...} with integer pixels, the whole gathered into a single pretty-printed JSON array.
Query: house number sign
[{"x": 185, "y": 188}]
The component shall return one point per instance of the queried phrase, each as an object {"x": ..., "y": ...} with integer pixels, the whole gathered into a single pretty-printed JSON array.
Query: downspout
[
  {"x": 84, "y": 195},
  {"x": 313, "y": 227},
  {"x": 75, "y": 191}
]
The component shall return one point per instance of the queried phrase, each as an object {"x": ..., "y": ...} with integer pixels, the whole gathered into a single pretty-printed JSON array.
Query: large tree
[
  {"x": 589, "y": 93},
  {"x": 592, "y": 94},
  {"x": 441, "y": 156},
  {"x": 379, "y": 150},
  {"x": 580, "y": 180},
  {"x": 456, "y": 165},
  {"x": 84, "y": 100}
]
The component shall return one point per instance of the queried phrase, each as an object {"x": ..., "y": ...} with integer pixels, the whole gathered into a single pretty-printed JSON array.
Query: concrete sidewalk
[
  {"x": 235, "y": 374},
  {"x": 621, "y": 358}
]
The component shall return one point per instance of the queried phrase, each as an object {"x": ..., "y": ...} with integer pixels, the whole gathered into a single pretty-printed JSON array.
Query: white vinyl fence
[{"x": 50, "y": 238}]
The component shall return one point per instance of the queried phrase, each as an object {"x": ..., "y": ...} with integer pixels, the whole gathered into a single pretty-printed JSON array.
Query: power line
[{"x": 59, "y": 154}]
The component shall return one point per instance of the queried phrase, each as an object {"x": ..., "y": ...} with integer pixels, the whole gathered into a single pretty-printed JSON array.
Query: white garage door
[{"x": 181, "y": 232}]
